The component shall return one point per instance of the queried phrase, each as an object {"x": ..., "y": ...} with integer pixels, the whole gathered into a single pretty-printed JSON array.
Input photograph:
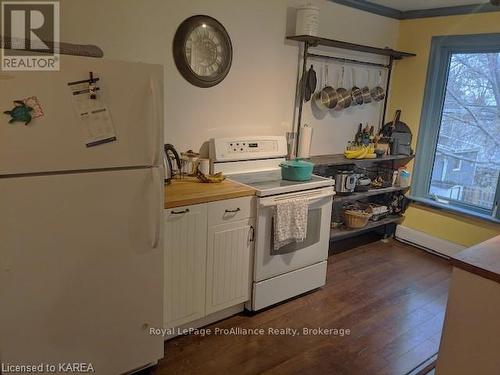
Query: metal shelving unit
[
  {"x": 343, "y": 233},
  {"x": 313, "y": 41},
  {"x": 340, "y": 159},
  {"x": 325, "y": 161},
  {"x": 369, "y": 193}
]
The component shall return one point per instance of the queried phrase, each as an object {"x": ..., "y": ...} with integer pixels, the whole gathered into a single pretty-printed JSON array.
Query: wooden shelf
[
  {"x": 317, "y": 41},
  {"x": 340, "y": 159},
  {"x": 343, "y": 233},
  {"x": 372, "y": 192}
]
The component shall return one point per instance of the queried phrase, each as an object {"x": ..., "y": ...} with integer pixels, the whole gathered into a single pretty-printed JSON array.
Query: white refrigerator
[{"x": 81, "y": 202}]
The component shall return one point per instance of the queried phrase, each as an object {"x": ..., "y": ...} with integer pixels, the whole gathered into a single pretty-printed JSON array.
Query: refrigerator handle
[
  {"x": 158, "y": 183},
  {"x": 156, "y": 123}
]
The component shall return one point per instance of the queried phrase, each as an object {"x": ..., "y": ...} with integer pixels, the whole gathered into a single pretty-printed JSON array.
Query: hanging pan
[
  {"x": 365, "y": 91},
  {"x": 378, "y": 93},
  {"x": 345, "y": 98},
  {"x": 356, "y": 93},
  {"x": 308, "y": 83},
  {"x": 327, "y": 97}
]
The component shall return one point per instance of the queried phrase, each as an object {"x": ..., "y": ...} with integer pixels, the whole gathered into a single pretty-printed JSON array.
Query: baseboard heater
[{"x": 427, "y": 242}]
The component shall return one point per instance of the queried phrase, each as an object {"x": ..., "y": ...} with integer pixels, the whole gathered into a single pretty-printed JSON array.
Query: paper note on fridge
[{"x": 95, "y": 119}]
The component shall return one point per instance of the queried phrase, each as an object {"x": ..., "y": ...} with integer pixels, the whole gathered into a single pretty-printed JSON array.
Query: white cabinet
[
  {"x": 208, "y": 258},
  {"x": 185, "y": 264},
  {"x": 229, "y": 252}
]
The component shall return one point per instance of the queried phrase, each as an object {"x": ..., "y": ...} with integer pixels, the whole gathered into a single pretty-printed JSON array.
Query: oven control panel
[
  {"x": 254, "y": 146},
  {"x": 247, "y": 148}
]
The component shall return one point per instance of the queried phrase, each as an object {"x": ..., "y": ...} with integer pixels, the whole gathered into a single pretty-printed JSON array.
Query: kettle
[{"x": 171, "y": 154}]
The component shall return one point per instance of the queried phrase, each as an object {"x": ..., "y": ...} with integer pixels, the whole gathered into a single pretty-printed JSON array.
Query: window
[
  {"x": 457, "y": 164},
  {"x": 458, "y": 153}
]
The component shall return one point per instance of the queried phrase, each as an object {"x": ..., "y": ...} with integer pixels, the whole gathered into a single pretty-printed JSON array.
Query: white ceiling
[{"x": 404, "y": 5}]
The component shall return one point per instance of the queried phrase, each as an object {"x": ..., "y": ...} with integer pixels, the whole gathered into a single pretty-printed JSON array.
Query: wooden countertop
[
  {"x": 482, "y": 259},
  {"x": 187, "y": 191}
]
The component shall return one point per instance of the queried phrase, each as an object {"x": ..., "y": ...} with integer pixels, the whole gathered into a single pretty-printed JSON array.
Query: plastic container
[
  {"x": 404, "y": 178},
  {"x": 307, "y": 20},
  {"x": 296, "y": 170}
]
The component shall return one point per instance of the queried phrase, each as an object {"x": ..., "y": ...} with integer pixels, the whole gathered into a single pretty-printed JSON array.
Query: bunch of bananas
[
  {"x": 210, "y": 178},
  {"x": 363, "y": 152}
]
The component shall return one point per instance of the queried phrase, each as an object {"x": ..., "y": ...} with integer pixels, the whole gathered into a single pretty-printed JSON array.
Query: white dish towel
[{"x": 290, "y": 221}]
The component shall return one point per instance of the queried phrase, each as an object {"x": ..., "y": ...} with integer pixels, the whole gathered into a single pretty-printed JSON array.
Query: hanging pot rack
[
  {"x": 313, "y": 41},
  {"x": 347, "y": 61}
]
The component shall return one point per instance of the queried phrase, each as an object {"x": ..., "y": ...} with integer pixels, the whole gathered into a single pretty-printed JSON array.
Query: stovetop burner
[{"x": 270, "y": 182}]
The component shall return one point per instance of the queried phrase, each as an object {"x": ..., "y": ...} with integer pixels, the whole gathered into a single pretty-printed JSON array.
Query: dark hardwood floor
[{"x": 391, "y": 297}]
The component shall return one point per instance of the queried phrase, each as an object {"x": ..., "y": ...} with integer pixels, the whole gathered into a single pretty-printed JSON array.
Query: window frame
[{"x": 442, "y": 48}]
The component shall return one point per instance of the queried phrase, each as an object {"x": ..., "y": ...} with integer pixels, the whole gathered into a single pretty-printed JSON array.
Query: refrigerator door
[
  {"x": 57, "y": 141},
  {"x": 81, "y": 269}
]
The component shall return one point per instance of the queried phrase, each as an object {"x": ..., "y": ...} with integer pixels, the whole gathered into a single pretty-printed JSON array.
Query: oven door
[{"x": 269, "y": 262}]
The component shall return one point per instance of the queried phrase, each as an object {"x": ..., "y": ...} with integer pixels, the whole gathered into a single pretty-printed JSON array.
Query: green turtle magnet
[{"x": 20, "y": 113}]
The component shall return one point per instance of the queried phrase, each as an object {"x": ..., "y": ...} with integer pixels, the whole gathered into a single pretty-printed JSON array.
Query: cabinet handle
[
  {"x": 233, "y": 211},
  {"x": 179, "y": 212},
  {"x": 252, "y": 234}
]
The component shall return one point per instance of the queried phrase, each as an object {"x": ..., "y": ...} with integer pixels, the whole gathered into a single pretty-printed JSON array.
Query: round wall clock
[{"x": 202, "y": 51}]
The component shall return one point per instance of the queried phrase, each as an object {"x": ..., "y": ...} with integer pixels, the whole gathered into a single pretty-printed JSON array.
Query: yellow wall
[{"x": 407, "y": 94}]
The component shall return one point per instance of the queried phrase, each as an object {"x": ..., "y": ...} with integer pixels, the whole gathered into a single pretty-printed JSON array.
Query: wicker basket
[{"x": 356, "y": 219}]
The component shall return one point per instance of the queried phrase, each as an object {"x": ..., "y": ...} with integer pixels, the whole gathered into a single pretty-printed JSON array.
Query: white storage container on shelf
[{"x": 307, "y": 20}]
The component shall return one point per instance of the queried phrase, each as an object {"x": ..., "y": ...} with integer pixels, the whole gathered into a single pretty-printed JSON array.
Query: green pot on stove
[{"x": 296, "y": 170}]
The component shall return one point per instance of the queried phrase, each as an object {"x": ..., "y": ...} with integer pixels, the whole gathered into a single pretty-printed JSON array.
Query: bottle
[{"x": 359, "y": 135}]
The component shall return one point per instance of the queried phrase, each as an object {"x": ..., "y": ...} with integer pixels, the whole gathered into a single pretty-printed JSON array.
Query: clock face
[
  {"x": 202, "y": 51},
  {"x": 205, "y": 51}
]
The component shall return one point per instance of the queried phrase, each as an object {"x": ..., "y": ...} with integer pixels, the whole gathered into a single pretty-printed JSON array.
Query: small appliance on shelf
[{"x": 345, "y": 182}]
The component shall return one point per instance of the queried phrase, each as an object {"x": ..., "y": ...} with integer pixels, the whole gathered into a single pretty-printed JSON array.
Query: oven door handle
[{"x": 311, "y": 198}]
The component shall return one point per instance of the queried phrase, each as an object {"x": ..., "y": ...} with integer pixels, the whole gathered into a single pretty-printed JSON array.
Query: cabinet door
[
  {"x": 229, "y": 252},
  {"x": 185, "y": 264},
  {"x": 80, "y": 265}
]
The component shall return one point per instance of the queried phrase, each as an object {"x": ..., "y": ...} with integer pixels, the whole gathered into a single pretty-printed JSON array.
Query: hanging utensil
[
  {"x": 365, "y": 91},
  {"x": 326, "y": 98},
  {"x": 312, "y": 80},
  {"x": 345, "y": 98},
  {"x": 305, "y": 87},
  {"x": 356, "y": 93},
  {"x": 309, "y": 82},
  {"x": 378, "y": 93}
]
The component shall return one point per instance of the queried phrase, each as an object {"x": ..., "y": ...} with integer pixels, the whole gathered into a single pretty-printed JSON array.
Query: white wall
[{"x": 257, "y": 97}]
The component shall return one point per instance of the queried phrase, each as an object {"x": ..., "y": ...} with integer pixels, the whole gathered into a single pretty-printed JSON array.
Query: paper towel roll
[{"x": 305, "y": 140}]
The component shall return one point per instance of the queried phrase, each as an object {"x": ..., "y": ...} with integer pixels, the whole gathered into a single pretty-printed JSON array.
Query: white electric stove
[
  {"x": 298, "y": 267},
  {"x": 270, "y": 182}
]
